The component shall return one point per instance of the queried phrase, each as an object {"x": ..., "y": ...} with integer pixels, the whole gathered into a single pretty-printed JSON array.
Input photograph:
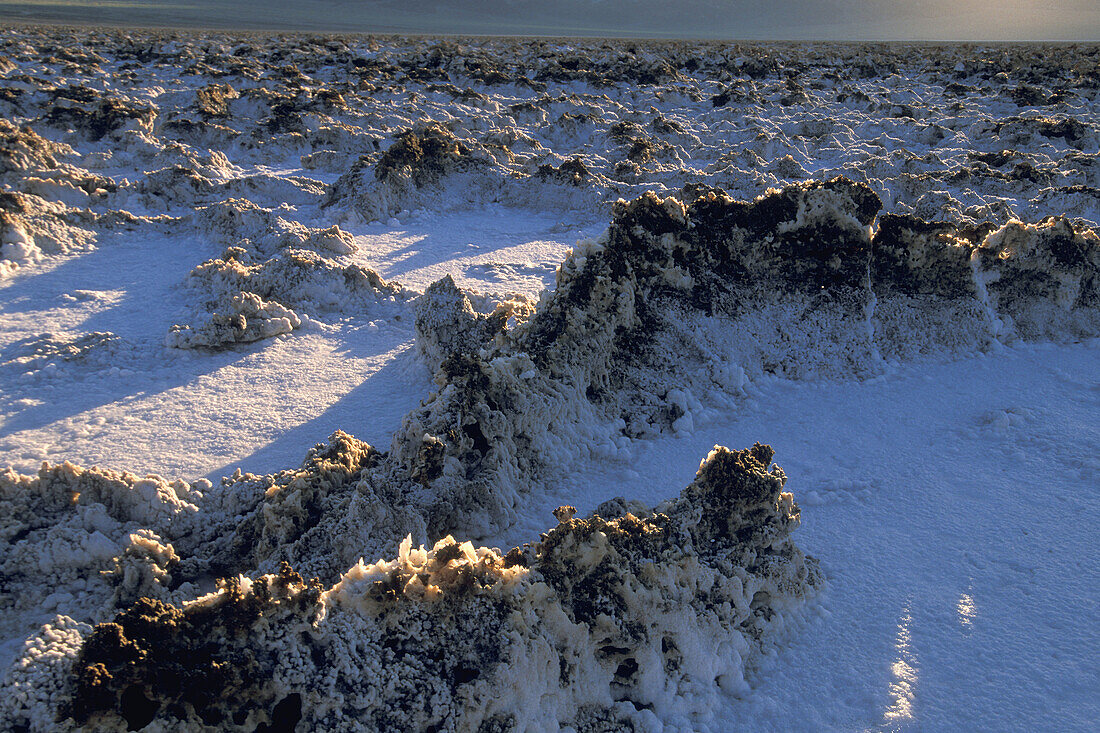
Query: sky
[{"x": 979, "y": 20}]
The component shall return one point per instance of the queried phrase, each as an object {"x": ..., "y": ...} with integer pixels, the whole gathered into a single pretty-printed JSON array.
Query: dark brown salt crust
[
  {"x": 456, "y": 638},
  {"x": 428, "y": 155},
  {"x": 96, "y": 116},
  {"x": 155, "y": 658}
]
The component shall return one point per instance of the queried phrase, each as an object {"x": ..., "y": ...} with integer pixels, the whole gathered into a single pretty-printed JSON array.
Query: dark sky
[{"x": 729, "y": 19}]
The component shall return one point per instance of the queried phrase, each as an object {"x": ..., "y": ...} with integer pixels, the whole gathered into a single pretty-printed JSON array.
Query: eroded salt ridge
[
  {"x": 793, "y": 283},
  {"x": 613, "y": 620},
  {"x": 681, "y": 302}
]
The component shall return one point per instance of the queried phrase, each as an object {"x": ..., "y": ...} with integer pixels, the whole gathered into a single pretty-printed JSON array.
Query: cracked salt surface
[{"x": 941, "y": 439}]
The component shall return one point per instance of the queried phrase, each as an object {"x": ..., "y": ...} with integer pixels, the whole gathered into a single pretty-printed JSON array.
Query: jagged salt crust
[
  {"x": 255, "y": 299},
  {"x": 677, "y": 303},
  {"x": 606, "y": 622},
  {"x": 674, "y": 310},
  {"x": 681, "y": 302}
]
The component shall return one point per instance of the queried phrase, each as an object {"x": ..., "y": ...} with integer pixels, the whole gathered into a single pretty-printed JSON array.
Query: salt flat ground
[{"x": 952, "y": 501}]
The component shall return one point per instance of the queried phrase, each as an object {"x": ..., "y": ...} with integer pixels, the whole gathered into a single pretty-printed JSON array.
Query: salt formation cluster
[
  {"x": 519, "y": 389},
  {"x": 775, "y": 210},
  {"x": 608, "y": 621}
]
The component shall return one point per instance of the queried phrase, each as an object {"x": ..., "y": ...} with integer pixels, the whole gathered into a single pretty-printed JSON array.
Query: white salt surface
[{"x": 953, "y": 504}]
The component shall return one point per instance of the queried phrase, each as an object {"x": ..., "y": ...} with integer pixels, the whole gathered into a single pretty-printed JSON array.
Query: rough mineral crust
[
  {"x": 271, "y": 269},
  {"x": 86, "y": 539},
  {"x": 1042, "y": 280},
  {"x": 252, "y": 300},
  {"x": 926, "y": 298},
  {"x": 607, "y": 622},
  {"x": 681, "y": 301}
]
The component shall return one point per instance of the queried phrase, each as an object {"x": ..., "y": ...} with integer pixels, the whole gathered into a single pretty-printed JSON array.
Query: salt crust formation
[
  {"x": 681, "y": 301},
  {"x": 619, "y": 619},
  {"x": 606, "y": 622},
  {"x": 270, "y": 269},
  {"x": 797, "y": 282},
  {"x": 371, "y": 127}
]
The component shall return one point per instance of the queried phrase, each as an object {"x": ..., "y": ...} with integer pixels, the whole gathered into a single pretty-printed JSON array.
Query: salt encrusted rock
[
  {"x": 273, "y": 273},
  {"x": 192, "y": 658},
  {"x": 1043, "y": 279},
  {"x": 926, "y": 298},
  {"x": 248, "y": 318},
  {"x": 417, "y": 159},
  {"x": 212, "y": 100},
  {"x": 787, "y": 272},
  {"x": 31, "y": 226},
  {"x": 602, "y": 623},
  {"x": 310, "y": 516},
  {"x": 86, "y": 539},
  {"x": 572, "y": 172},
  {"x": 39, "y": 680},
  {"x": 447, "y": 324},
  {"x": 425, "y": 156}
]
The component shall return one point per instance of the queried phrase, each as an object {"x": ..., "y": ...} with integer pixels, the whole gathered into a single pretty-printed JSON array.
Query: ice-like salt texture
[
  {"x": 788, "y": 283},
  {"x": 611, "y": 621},
  {"x": 273, "y": 154}
]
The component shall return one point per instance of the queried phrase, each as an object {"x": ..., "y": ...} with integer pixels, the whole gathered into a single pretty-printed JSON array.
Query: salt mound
[
  {"x": 22, "y": 149},
  {"x": 242, "y": 223},
  {"x": 447, "y": 324},
  {"x": 248, "y": 318},
  {"x": 605, "y": 622},
  {"x": 429, "y": 167},
  {"x": 340, "y": 505},
  {"x": 255, "y": 300},
  {"x": 94, "y": 115}
]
